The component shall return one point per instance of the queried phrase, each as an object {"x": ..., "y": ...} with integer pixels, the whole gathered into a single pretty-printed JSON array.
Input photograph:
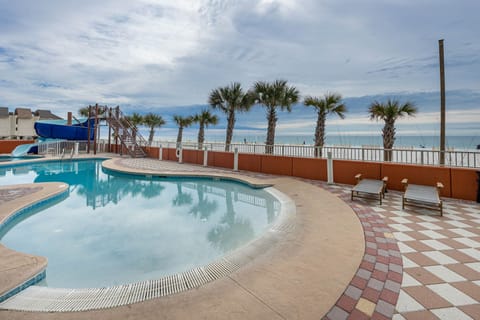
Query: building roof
[
  {"x": 46, "y": 115},
  {"x": 4, "y": 112},
  {"x": 23, "y": 113}
]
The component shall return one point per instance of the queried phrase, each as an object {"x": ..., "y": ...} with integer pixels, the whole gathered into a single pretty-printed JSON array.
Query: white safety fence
[
  {"x": 62, "y": 148},
  {"x": 453, "y": 158}
]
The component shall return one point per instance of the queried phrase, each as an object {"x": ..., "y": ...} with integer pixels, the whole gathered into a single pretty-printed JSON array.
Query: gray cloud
[{"x": 154, "y": 54}]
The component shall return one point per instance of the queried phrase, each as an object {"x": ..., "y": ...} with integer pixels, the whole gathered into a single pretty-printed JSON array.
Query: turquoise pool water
[
  {"x": 8, "y": 158},
  {"x": 115, "y": 229}
]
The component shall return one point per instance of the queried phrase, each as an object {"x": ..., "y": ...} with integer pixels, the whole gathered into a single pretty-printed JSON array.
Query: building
[{"x": 20, "y": 123}]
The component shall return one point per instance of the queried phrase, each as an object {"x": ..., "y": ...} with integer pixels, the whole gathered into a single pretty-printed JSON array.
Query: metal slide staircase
[{"x": 129, "y": 137}]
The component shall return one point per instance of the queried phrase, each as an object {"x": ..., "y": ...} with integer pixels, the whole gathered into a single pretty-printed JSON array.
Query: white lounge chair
[
  {"x": 369, "y": 188},
  {"x": 422, "y": 196}
]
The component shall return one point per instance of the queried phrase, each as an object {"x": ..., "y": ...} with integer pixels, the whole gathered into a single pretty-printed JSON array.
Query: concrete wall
[
  {"x": 12, "y": 126},
  {"x": 464, "y": 183},
  {"x": 7, "y": 146},
  {"x": 460, "y": 183},
  {"x": 424, "y": 175}
]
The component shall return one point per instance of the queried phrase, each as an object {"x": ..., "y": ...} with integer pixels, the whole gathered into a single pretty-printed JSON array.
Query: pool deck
[
  {"x": 17, "y": 267},
  {"x": 342, "y": 260}
]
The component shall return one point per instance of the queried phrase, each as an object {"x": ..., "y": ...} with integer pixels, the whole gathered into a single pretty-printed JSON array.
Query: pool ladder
[{"x": 63, "y": 154}]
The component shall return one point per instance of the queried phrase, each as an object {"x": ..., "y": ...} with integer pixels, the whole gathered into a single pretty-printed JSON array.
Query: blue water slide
[
  {"x": 24, "y": 149},
  {"x": 58, "y": 129}
]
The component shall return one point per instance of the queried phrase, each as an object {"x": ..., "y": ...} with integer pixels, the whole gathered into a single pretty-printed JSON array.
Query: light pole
[{"x": 442, "y": 102}]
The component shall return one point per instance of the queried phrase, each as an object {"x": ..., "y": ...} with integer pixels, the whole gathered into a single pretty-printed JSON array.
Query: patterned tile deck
[
  {"x": 417, "y": 265},
  {"x": 440, "y": 256}
]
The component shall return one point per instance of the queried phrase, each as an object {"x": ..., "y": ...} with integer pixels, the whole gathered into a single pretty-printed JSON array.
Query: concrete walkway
[
  {"x": 413, "y": 264},
  {"x": 17, "y": 267},
  {"x": 299, "y": 277},
  {"x": 440, "y": 256}
]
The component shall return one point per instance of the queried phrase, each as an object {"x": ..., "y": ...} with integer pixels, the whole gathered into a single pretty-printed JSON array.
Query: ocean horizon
[{"x": 403, "y": 141}]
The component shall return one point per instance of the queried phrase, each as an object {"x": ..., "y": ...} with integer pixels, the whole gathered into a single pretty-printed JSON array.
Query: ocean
[
  {"x": 404, "y": 141},
  {"x": 428, "y": 142}
]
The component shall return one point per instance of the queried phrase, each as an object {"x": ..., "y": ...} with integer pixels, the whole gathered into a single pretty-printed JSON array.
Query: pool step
[{"x": 45, "y": 299}]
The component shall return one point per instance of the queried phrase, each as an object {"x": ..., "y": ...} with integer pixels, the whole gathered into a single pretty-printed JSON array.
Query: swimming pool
[
  {"x": 8, "y": 158},
  {"x": 115, "y": 229}
]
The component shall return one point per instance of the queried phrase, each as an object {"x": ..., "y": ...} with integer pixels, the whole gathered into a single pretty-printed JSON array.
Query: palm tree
[
  {"x": 135, "y": 120},
  {"x": 271, "y": 96},
  {"x": 152, "y": 121},
  {"x": 204, "y": 118},
  {"x": 230, "y": 99},
  {"x": 83, "y": 112},
  {"x": 182, "y": 122},
  {"x": 390, "y": 112},
  {"x": 329, "y": 104}
]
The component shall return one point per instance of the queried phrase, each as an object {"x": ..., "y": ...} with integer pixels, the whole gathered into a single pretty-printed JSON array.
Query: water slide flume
[{"x": 56, "y": 130}]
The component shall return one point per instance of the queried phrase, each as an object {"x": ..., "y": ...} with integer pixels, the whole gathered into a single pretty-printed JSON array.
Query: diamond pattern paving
[
  {"x": 416, "y": 265},
  {"x": 440, "y": 255}
]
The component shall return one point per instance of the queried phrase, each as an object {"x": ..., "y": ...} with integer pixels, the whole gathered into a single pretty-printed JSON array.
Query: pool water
[
  {"x": 8, "y": 158},
  {"x": 115, "y": 229}
]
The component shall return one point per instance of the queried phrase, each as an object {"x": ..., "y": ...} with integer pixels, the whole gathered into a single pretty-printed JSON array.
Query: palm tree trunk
[
  {"x": 272, "y": 123},
  {"x": 179, "y": 137},
  {"x": 150, "y": 136},
  {"x": 320, "y": 134},
  {"x": 388, "y": 134},
  {"x": 230, "y": 125},
  {"x": 201, "y": 135}
]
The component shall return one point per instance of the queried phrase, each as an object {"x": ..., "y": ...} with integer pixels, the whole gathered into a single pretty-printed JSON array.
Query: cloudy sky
[{"x": 162, "y": 55}]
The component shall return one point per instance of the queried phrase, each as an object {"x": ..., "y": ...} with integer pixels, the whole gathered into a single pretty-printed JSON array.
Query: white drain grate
[{"x": 36, "y": 298}]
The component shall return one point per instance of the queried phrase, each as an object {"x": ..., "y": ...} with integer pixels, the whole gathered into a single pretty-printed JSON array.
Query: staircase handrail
[
  {"x": 138, "y": 136},
  {"x": 128, "y": 129}
]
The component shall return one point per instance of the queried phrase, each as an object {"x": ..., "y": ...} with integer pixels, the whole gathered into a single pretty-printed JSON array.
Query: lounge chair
[
  {"x": 369, "y": 188},
  {"x": 422, "y": 196}
]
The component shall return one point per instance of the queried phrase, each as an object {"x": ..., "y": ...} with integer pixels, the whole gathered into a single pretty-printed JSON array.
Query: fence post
[
  {"x": 205, "y": 156},
  {"x": 75, "y": 148},
  {"x": 329, "y": 168},
  {"x": 180, "y": 154},
  {"x": 235, "y": 160},
  {"x": 160, "y": 152}
]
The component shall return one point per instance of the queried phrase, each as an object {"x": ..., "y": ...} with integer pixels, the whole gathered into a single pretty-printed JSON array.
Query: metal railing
[
  {"x": 127, "y": 133},
  {"x": 422, "y": 156},
  {"x": 57, "y": 148}
]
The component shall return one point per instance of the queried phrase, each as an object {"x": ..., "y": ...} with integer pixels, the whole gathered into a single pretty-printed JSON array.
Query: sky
[{"x": 167, "y": 56}]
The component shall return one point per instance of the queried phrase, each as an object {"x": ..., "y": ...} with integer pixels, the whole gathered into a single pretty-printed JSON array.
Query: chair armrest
[
  {"x": 358, "y": 177},
  {"x": 385, "y": 179},
  {"x": 405, "y": 182},
  {"x": 439, "y": 185}
]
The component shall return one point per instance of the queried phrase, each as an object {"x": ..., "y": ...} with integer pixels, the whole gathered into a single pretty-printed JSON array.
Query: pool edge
[{"x": 50, "y": 193}]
